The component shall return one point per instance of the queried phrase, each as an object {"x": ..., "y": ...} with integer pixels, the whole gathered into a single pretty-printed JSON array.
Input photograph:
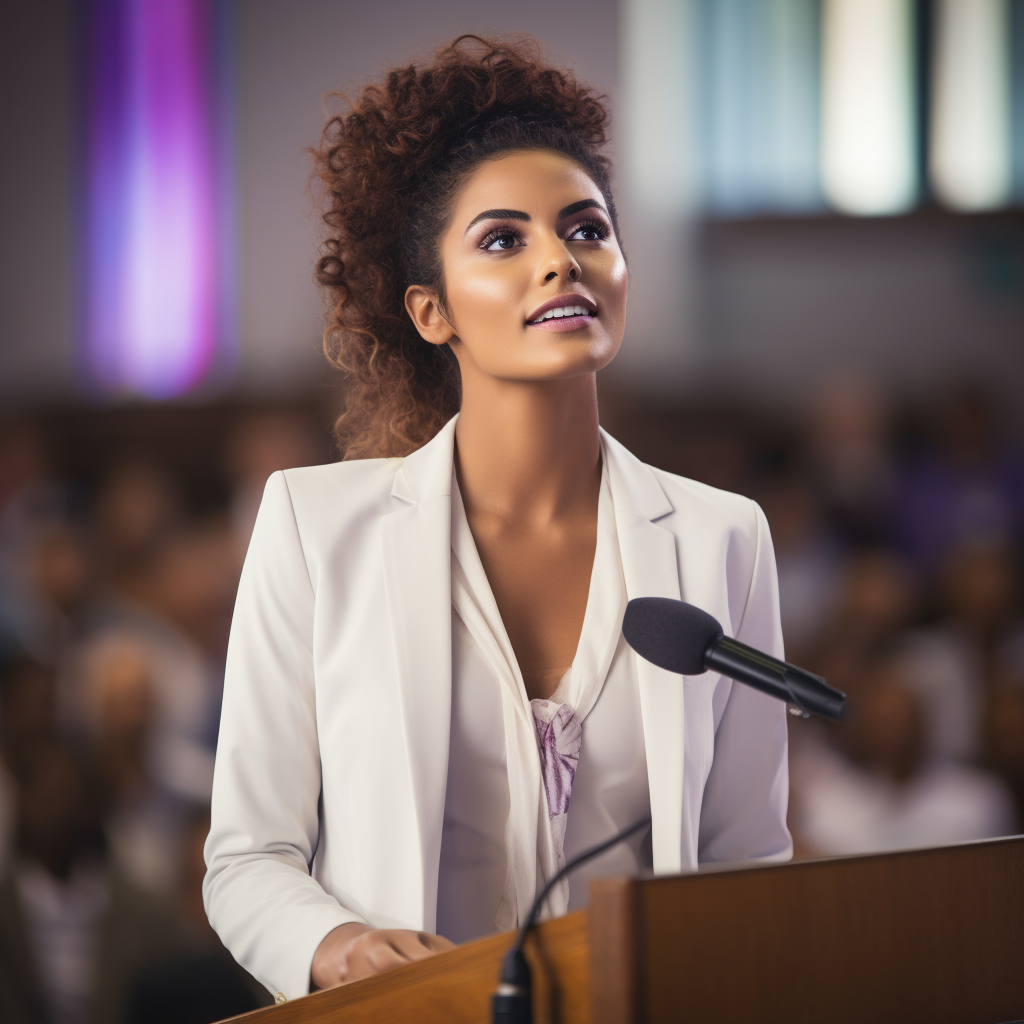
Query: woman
[{"x": 426, "y": 660}]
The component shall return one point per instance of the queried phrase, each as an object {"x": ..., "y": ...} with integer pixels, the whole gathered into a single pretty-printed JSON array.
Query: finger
[
  {"x": 382, "y": 955},
  {"x": 436, "y": 943},
  {"x": 370, "y": 955},
  {"x": 408, "y": 945}
]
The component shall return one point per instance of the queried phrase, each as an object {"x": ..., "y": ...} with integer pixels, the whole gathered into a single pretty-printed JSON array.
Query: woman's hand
[{"x": 354, "y": 951}]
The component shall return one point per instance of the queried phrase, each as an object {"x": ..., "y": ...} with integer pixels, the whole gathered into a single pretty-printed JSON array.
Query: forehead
[{"x": 534, "y": 181}]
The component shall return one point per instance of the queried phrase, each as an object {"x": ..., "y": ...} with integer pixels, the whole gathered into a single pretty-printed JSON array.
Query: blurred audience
[
  {"x": 75, "y": 933},
  {"x": 115, "y": 601},
  {"x": 136, "y": 507},
  {"x": 42, "y": 567},
  {"x": 27, "y": 701},
  {"x": 930, "y": 575},
  {"x": 850, "y": 459},
  {"x": 876, "y": 596},
  {"x": 203, "y": 984},
  {"x": 144, "y": 817},
  {"x": 261, "y": 445},
  {"x": 1004, "y": 739},
  {"x": 808, "y": 558},
  {"x": 171, "y": 606},
  {"x": 965, "y": 489},
  {"x": 880, "y": 786},
  {"x": 899, "y": 559}
]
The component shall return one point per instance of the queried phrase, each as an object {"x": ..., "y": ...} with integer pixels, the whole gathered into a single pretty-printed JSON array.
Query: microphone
[
  {"x": 682, "y": 638},
  {"x": 512, "y": 1003}
]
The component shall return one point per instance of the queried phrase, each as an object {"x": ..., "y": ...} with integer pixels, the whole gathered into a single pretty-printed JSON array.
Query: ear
[{"x": 424, "y": 308}]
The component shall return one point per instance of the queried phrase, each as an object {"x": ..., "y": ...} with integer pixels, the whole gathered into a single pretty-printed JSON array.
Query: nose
[{"x": 558, "y": 262}]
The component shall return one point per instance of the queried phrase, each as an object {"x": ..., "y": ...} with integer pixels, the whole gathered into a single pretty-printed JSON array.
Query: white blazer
[{"x": 329, "y": 786}]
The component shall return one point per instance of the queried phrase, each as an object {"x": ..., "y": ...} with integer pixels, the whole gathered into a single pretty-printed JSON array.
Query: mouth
[{"x": 564, "y": 313}]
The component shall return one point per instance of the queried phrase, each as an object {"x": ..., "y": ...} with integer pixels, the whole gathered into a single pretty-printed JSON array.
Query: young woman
[{"x": 429, "y": 705}]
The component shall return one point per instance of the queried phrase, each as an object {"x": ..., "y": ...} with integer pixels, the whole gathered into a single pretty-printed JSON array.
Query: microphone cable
[{"x": 512, "y": 1003}]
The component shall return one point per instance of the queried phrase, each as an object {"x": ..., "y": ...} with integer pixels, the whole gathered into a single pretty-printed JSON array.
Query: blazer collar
[
  {"x": 427, "y": 472},
  {"x": 634, "y": 486}
]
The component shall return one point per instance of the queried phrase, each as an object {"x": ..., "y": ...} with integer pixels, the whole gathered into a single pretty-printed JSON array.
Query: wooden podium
[{"x": 919, "y": 937}]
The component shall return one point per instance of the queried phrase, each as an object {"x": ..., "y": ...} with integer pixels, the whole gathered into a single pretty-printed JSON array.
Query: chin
[
  {"x": 582, "y": 357},
  {"x": 560, "y": 359}
]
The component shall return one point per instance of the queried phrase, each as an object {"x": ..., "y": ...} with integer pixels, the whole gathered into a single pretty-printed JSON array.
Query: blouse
[{"x": 531, "y": 783}]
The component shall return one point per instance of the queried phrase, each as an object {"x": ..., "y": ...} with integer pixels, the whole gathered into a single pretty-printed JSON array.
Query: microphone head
[{"x": 671, "y": 634}]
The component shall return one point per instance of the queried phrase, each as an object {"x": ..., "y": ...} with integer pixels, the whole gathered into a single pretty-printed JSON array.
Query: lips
[{"x": 570, "y": 303}]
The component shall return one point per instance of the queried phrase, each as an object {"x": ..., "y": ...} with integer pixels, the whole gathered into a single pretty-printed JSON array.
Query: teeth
[{"x": 561, "y": 311}]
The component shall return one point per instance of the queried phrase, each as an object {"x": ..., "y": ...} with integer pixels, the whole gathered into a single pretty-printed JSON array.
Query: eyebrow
[
  {"x": 566, "y": 211},
  {"x": 498, "y": 215}
]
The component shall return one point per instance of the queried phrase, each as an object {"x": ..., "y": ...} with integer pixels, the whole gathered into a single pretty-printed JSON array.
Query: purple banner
[{"x": 155, "y": 275}]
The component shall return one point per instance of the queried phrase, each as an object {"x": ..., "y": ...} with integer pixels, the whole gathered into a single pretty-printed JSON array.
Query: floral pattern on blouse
[{"x": 559, "y": 738}]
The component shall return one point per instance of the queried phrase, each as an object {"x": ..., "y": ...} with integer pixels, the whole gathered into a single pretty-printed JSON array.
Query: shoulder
[
  {"x": 317, "y": 496},
  {"x": 679, "y": 501},
  {"x": 726, "y": 535},
  {"x": 352, "y": 482},
  {"x": 723, "y": 546},
  {"x": 725, "y": 509},
  {"x": 307, "y": 513}
]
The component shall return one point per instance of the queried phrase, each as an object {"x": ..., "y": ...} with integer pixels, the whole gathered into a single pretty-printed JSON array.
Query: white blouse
[{"x": 532, "y": 783}]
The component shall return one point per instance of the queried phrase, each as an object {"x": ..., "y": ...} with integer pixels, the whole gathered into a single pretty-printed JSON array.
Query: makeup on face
[
  {"x": 535, "y": 279},
  {"x": 570, "y": 311},
  {"x": 567, "y": 312}
]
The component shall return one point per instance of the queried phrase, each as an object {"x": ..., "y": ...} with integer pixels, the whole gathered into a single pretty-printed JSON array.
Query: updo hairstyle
[{"x": 390, "y": 169}]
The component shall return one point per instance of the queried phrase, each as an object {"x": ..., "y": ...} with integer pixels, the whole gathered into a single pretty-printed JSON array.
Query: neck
[{"x": 529, "y": 452}]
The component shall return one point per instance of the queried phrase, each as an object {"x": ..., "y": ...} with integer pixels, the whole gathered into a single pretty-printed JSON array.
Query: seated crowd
[{"x": 898, "y": 551}]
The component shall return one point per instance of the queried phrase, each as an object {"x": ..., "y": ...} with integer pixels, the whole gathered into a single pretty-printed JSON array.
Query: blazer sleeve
[
  {"x": 258, "y": 891},
  {"x": 743, "y": 813}
]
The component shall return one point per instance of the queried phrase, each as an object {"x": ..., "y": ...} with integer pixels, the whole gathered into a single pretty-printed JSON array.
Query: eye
[
  {"x": 500, "y": 240},
  {"x": 589, "y": 231}
]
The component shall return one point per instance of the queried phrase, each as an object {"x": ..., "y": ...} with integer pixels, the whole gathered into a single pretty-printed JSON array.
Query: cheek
[
  {"x": 612, "y": 277},
  {"x": 485, "y": 291},
  {"x": 618, "y": 272},
  {"x": 620, "y": 279},
  {"x": 606, "y": 268}
]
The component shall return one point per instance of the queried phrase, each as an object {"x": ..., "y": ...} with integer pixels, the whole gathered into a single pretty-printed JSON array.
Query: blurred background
[{"x": 823, "y": 203}]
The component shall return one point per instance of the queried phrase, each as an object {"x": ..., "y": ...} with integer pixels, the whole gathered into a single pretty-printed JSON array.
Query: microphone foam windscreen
[{"x": 671, "y": 634}]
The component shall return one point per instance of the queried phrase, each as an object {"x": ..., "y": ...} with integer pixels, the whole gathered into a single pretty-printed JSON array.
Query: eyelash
[
  {"x": 492, "y": 236},
  {"x": 594, "y": 225}
]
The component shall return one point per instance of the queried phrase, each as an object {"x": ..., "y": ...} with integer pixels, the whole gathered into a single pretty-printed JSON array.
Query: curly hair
[{"x": 390, "y": 168}]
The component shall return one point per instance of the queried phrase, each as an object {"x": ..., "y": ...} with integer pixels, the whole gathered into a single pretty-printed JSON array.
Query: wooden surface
[
  {"x": 456, "y": 987},
  {"x": 922, "y": 937},
  {"x": 616, "y": 951}
]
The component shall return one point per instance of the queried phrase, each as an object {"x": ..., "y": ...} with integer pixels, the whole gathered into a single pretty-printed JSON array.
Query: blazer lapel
[
  {"x": 651, "y": 569},
  {"x": 417, "y": 578}
]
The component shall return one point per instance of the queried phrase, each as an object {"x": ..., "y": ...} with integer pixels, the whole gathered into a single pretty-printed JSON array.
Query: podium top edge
[{"x": 732, "y": 867}]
